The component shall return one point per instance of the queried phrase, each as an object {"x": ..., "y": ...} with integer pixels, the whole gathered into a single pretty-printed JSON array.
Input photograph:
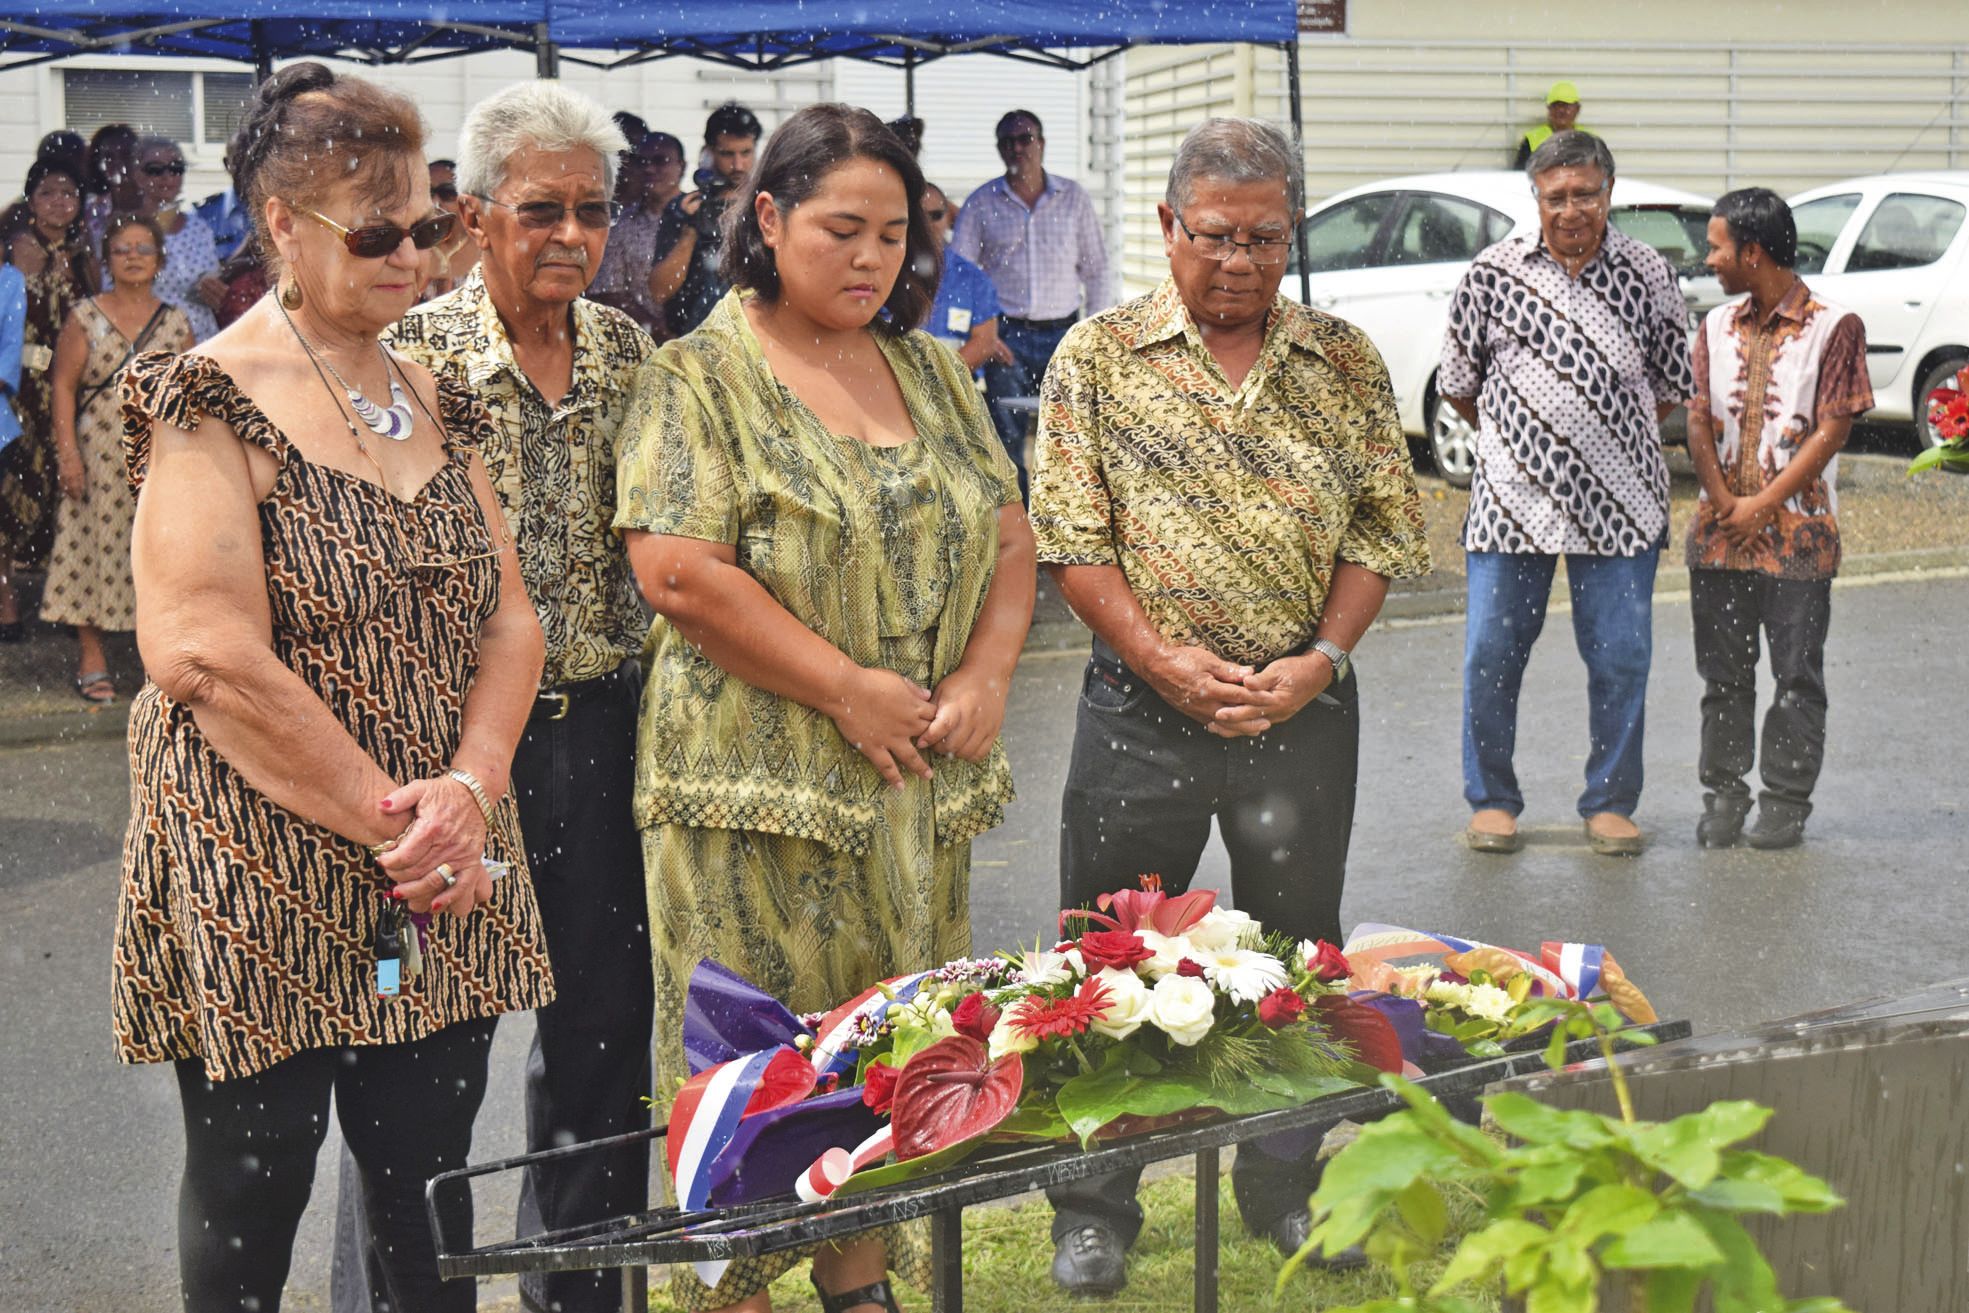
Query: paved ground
[{"x": 1872, "y": 904}]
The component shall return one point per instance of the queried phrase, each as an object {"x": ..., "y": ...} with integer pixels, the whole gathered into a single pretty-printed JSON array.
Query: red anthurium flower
[
  {"x": 1371, "y": 1035},
  {"x": 1328, "y": 964},
  {"x": 975, "y": 1016},
  {"x": 878, "y": 1090},
  {"x": 1280, "y": 1008},
  {"x": 1189, "y": 966},
  {"x": 951, "y": 1092},
  {"x": 1042, "y": 1018},
  {"x": 1120, "y": 949}
]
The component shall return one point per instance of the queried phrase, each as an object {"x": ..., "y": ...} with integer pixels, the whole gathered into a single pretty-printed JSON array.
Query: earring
[{"x": 290, "y": 294}]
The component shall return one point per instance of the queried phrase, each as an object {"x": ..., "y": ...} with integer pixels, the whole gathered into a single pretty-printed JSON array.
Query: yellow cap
[{"x": 1562, "y": 93}]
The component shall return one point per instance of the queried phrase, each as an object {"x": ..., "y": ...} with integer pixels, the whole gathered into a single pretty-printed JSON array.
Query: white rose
[
  {"x": 1223, "y": 927},
  {"x": 1183, "y": 1008},
  {"x": 1168, "y": 953},
  {"x": 1007, "y": 1039},
  {"x": 1128, "y": 1003}
]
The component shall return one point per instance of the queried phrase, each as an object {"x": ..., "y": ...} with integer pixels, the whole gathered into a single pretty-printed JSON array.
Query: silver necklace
[{"x": 393, "y": 423}]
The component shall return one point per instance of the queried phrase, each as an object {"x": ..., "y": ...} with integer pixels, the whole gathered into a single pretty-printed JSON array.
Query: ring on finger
[{"x": 443, "y": 873}]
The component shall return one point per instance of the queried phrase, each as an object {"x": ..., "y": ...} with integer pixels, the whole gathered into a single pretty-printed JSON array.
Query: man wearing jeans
[
  {"x": 1780, "y": 377},
  {"x": 1565, "y": 349},
  {"x": 1222, "y": 493},
  {"x": 1037, "y": 235}
]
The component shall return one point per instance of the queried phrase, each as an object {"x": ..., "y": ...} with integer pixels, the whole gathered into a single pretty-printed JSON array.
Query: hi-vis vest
[{"x": 1536, "y": 137}]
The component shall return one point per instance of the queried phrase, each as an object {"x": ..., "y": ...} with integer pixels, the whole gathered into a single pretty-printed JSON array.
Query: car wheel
[
  {"x": 1452, "y": 443},
  {"x": 1941, "y": 376}
]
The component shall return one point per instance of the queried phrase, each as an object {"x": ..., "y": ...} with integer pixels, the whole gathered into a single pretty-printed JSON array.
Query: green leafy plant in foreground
[{"x": 1578, "y": 1204}]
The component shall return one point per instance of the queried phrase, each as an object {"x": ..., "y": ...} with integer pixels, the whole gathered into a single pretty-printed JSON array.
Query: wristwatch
[{"x": 1334, "y": 653}]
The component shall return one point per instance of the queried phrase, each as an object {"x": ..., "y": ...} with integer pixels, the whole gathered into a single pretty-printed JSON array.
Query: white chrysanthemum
[
  {"x": 1168, "y": 953},
  {"x": 1445, "y": 993},
  {"x": 1243, "y": 973},
  {"x": 1128, "y": 1003},
  {"x": 1183, "y": 1008},
  {"x": 1044, "y": 967},
  {"x": 1489, "y": 1002},
  {"x": 1007, "y": 1038},
  {"x": 1415, "y": 981},
  {"x": 1224, "y": 927}
]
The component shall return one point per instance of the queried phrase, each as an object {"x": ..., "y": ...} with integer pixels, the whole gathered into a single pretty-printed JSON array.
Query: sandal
[
  {"x": 875, "y": 1292},
  {"x": 94, "y": 686}
]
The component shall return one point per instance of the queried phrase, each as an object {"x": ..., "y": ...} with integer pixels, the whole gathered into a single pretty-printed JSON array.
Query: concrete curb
[{"x": 53, "y": 728}]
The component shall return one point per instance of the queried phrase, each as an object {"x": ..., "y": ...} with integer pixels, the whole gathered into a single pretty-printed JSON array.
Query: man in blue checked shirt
[
  {"x": 1037, "y": 235},
  {"x": 966, "y": 310}
]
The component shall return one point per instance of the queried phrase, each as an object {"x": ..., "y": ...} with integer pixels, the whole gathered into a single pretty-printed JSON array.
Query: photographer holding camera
[{"x": 690, "y": 236}]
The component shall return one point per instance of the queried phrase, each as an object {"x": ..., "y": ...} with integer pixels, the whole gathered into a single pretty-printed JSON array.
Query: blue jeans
[
  {"x": 1612, "y": 622},
  {"x": 1032, "y": 348}
]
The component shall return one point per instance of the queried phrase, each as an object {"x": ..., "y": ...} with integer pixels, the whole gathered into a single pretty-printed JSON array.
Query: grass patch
[{"x": 1008, "y": 1258}]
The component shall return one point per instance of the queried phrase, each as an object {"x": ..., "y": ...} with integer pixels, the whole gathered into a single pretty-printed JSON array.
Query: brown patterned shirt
[
  {"x": 1226, "y": 508},
  {"x": 1762, "y": 389},
  {"x": 552, "y": 466}
]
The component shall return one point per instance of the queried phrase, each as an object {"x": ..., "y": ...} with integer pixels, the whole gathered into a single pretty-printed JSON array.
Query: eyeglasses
[
  {"x": 1220, "y": 246},
  {"x": 935, "y": 216},
  {"x": 175, "y": 167},
  {"x": 598, "y": 215},
  {"x": 1559, "y": 202},
  {"x": 444, "y": 192},
  {"x": 1018, "y": 139},
  {"x": 374, "y": 243},
  {"x": 139, "y": 248}
]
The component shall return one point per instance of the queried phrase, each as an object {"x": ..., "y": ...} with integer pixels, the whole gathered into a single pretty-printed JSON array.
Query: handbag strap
[{"x": 82, "y": 400}]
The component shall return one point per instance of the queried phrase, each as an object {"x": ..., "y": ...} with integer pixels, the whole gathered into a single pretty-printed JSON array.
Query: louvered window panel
[
  {"x": 226, "y": 95},
  {"x": 154, "y": 103}
]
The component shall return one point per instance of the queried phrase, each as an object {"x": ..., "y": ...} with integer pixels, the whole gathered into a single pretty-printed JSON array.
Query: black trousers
[
  {"x": 589, "y": 1068},
  {"x": 1143, "y": 787},
  {"x": 406, "y": 1112},
  {"x": 1731, "y": 610}
]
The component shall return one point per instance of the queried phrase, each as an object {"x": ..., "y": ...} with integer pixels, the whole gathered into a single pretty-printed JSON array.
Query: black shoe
[
  {"x": 1090, "y": 1260},
  {"x": 1722, "y": 821},
  {"x": 1288, "y": 1236},
  {"x": 1775, "y": 829}
]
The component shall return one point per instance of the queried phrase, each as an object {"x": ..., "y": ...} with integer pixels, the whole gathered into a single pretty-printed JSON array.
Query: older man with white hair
[
  {"x": 1223, "y": 492},
  {"x": 536, "y": 171}
]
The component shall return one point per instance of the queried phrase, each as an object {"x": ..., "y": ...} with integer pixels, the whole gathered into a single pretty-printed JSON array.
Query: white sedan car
[
  {"x": 1893, "y": 248},
  {"x": 1388, "y": 255}
]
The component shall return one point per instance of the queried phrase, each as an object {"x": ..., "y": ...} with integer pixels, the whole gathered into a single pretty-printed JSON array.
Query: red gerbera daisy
[{"x": 1043, "y": 1018}]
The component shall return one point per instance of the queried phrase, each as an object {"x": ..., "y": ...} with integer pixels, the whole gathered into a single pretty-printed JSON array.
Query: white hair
[{"x": 542, "y": 114}]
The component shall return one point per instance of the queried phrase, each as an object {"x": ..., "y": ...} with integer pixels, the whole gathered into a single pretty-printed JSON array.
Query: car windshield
[{"x": 1679, "y": 232}]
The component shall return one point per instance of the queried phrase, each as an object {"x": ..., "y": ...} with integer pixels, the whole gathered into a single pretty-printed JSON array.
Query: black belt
[
  {"x": 1042, "y": 325},
  {"x": 553, "y": 703}
]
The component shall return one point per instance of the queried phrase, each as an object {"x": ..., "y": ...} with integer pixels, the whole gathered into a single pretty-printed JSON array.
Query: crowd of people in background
[{"x": 560, "y": 563}]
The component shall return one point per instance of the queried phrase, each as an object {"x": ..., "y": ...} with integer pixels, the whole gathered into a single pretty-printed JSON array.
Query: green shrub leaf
[
  {"x": 1669, "y": 1239},
  {"x": 1607, "y": 1210},
  {"x": 1531, "y": 1121}
]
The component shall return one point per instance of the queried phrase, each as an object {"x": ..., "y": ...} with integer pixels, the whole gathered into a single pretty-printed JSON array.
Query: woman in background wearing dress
[
  {"x": 89, "y": 567},
  {"x": 816, "y": 506},
  {"x": 191, "y": 279},
  {"x": 53, "y": 252}
]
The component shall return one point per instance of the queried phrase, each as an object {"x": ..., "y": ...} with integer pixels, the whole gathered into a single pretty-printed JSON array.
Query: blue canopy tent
[{"x": 756, "y": 35}]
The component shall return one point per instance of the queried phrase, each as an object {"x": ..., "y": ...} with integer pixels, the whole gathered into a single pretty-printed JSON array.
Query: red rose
[
  {"x": 1189, "y": 966},
  {"x": 1280, "y": 1008},
  {"x": 976, "y": 1017},
  {"x": 1120, "y": 949},
  {"x": 1328, "y": 964},
  {"x": 879, "y": 1089}
]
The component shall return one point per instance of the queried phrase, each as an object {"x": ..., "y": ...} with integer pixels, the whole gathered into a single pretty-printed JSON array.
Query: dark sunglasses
[
  {"x": 598, "y": 215},
  {"x": 1018, "y": 139},
  {"x": 176, "y": 167},
  {"x": 376, "y": 242},
  {"x": 445, "y": 192}
]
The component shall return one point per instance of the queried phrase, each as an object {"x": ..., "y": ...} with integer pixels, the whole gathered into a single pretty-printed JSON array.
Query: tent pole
[
  {"x": 1298, "y": 144},
  {"x": 909, "y": 83},
  {"x": 546, "y": 55},
  {"x": 262, "y": 52}
]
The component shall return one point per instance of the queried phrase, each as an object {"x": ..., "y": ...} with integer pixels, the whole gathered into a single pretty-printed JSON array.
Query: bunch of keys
[{"x": 399, "y": 947}]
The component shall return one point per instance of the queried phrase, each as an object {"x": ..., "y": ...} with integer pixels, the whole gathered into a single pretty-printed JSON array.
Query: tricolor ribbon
[
  {"x": 705, "y": 1118},
  {"x": 834, "y": 1051},
  {"x": 1579, "y": 965},
  {"x": 1392, "y": 945},
  {"x": 832, "y": 1168}
]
